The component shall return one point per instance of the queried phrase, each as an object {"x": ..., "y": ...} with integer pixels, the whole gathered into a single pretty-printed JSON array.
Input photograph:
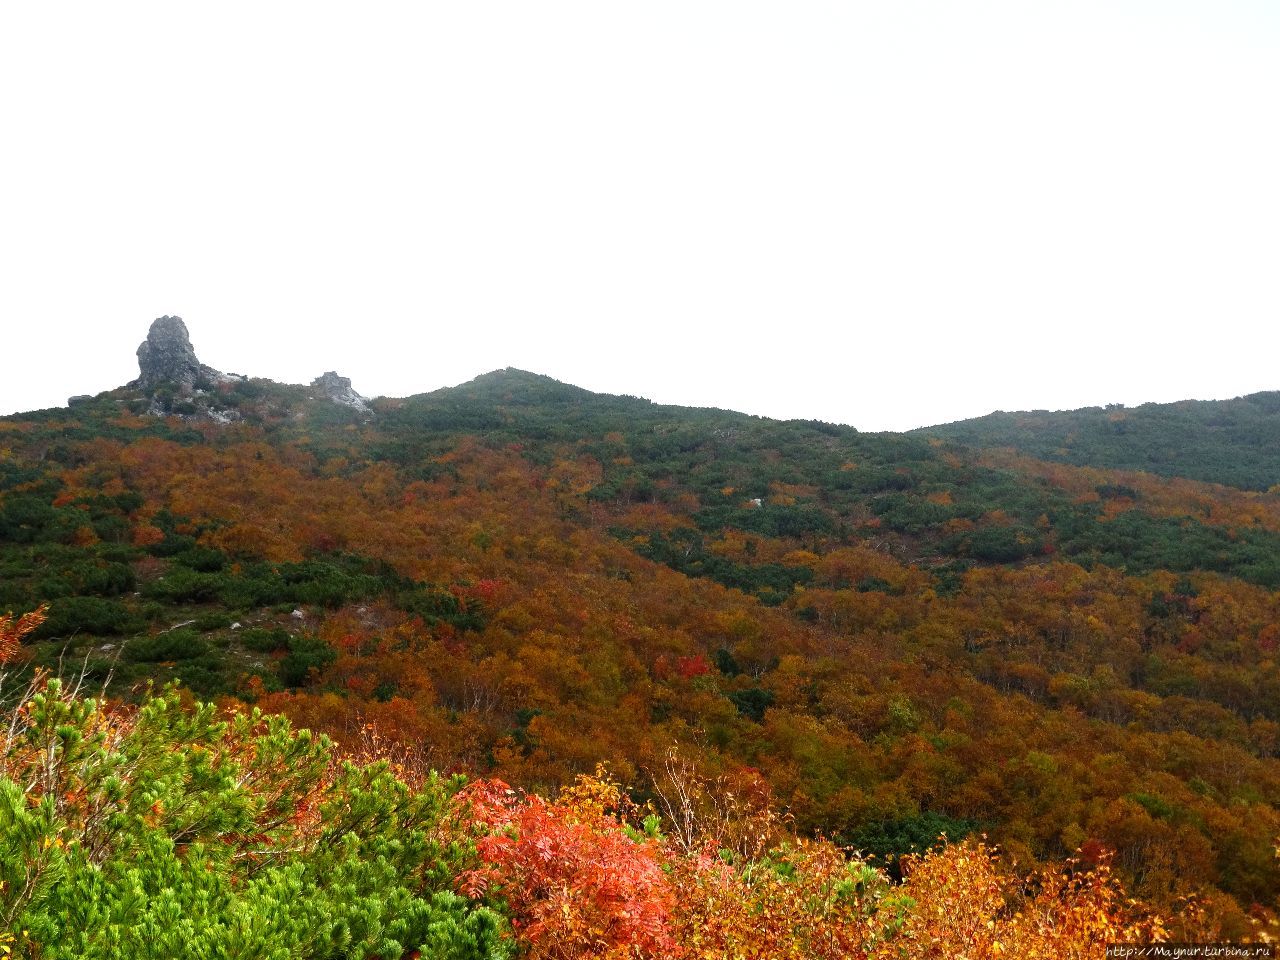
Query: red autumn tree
[{"x": 578, "y": 885}]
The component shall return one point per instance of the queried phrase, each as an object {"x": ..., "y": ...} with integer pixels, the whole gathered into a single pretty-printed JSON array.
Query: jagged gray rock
[
  {"x": 167, "y": 357},
  {"x": 178, "y": 384},
  {"x": 339, "y": 390}
]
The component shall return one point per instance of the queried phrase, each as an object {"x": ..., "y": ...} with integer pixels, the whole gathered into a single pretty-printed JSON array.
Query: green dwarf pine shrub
[{"x": 174, "y": 833}]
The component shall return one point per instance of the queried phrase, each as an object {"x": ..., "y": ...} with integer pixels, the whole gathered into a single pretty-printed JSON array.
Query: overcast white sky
[{"x": 885, "y": 214}]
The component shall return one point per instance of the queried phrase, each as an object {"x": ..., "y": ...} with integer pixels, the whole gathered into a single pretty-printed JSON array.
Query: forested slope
[
  {"x": 172, "y": 831},
  {"x": 1232, "y": 442},
  {"x": 895, "y": 635}
]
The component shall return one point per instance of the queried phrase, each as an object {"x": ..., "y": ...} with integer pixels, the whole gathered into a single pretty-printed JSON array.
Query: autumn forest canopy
[{"x": 516, "y": 669}]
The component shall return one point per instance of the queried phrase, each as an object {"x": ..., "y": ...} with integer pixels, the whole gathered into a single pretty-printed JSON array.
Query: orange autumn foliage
[
  {"x": 14, "y": 629},
  {"x": 578, "y": 886},
  {"x": 965, "y": 907},
  {"x": 582, "y": 881}
]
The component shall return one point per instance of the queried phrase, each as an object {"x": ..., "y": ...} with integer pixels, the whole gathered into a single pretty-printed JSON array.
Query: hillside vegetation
[
  {"x": 881, "y": 638},
  {"x": 1232, "y": 442},
  {"x": 170, "y": 831}
]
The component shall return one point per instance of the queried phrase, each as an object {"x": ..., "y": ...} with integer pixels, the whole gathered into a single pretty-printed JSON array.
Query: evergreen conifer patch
[{"x": 168, "y": 831}]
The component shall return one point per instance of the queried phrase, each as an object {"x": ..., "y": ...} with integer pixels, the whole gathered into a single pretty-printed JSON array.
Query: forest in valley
[{"x": 516, "y": 669}]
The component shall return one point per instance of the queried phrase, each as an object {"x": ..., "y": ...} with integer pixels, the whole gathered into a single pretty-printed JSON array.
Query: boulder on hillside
[
  {"x": 339, "y": 390},
  {"x": 167, "y": 357}
]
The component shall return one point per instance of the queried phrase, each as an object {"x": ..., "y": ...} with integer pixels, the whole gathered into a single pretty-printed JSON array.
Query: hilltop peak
[
  {"x": 514, "y": 375},
  {"x": 525, "y": 382}
]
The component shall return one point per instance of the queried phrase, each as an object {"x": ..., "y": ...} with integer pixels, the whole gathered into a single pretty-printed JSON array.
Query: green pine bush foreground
[{"x": 169, "y": 833}]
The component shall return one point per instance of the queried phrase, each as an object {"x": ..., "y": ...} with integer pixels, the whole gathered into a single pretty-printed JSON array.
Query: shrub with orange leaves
[
  {"x": 577, "y": 882},
  {"x": 581, "y": 882},
  {"x": 965, "y": 907},
  {"x": 14, "y": 629},
  {"x": 805, "y": 900}
]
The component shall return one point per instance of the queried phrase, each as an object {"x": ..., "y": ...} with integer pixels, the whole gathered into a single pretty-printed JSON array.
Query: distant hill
[{"x": 1233, "y": 442}]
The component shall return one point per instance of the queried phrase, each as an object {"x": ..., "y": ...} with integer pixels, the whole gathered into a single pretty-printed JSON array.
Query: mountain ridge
[{"x": 1218, "y": 441}]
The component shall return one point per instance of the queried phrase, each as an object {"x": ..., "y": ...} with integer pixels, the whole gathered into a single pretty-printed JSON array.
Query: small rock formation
[
  {"x": 167, "y": 357},
  {"x": 78, "y": 399},
  {"x": 339, "y": 390}
]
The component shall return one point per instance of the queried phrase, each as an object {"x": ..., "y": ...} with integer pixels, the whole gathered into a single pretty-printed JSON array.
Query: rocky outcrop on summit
[
  {"x": 339, "y": 390},
  {"x": 167, "y": 357},
  {"x": 174, "y": 383}
]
